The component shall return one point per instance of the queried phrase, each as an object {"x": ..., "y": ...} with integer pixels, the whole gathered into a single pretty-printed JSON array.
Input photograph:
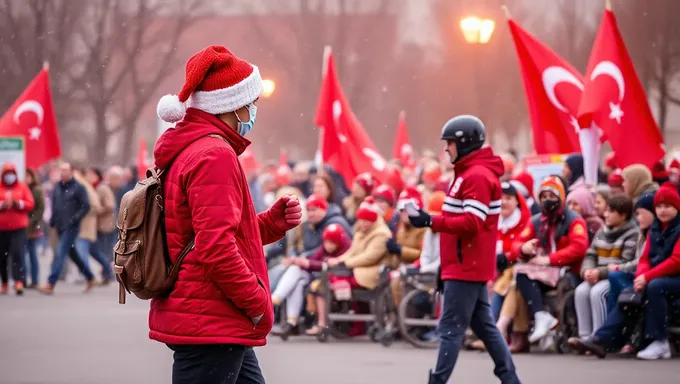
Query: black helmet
[{"x": 467, "y": 131}]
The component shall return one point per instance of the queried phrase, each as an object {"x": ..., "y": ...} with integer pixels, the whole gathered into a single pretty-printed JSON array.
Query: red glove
[{"x": 286, "y": 213}]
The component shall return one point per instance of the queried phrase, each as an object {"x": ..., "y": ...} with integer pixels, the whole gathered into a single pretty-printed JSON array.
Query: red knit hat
[
  {"x": 386, "y": 193},
  {"x": 524, "y": 184},
  {"x": 366, "y": 181},
  {"x": 410, "y": 195},
  {"x": 216, "y": 82},
  {"x": 675, "y": 164},
  {"x": 668, "y": 194},
  {"x": 659, "y": 171},
  {"x": 333, "y": 233},
  {"x": 368, "y": 210},
  {"x": 615, "y": 179},
  {"x": 317, "y": 201}
]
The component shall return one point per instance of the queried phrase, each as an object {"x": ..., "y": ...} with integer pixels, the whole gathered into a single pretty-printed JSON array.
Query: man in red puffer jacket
[
  {"x": 16, "y": 201},
  {"x": 221, "y": 305}
]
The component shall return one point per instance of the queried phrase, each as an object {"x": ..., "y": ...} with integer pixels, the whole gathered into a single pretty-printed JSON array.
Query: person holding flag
[{"x": 468, "y": 227}]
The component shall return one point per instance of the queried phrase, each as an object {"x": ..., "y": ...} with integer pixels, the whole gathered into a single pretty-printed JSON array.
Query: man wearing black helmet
[{"x": 468, "y": 226}]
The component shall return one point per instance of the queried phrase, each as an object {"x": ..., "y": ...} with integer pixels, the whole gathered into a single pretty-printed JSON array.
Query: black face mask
[{"x": 551, "y": 206}]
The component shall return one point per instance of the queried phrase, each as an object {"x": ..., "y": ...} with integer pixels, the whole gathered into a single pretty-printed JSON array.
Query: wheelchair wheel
[
  {"x": 386, "y": 340},
  {"x": 322, "y": 336},
  {"x": 373, "y": 332},
  {"x": 568, "y": 326},
  {"x": 413, "y": 324}
]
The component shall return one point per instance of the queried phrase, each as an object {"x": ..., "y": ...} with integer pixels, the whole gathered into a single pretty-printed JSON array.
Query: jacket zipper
[{"x": 460, "y": 250}]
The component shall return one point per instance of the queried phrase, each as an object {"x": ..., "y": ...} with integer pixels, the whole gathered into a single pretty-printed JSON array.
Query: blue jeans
[
  {"x": 215, "y": 364},
  {"x": 496, "y": 305},
  {"x": 617, "y": 282},
  {"x": 67, "y": 241},
  {"x": 467, "y": 304},
  {"x": 32, "y": 262},
  {"x": 86, "y": 248},
  {"x": 619, "y": 324}
]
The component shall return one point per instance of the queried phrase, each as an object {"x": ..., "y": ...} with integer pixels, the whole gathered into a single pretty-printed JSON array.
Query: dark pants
[
  {"x": 215, "y": 364},
  {"x": 467, "y": 304},
  {"x": 619, "y": 324},
  {"x": 67, "y": 241},
  {"x": 617, "y": 282},
  {"x": 12, "y": 250},
  {"x": 32, "y": 257},
  {"x": 532, "y": 291}
]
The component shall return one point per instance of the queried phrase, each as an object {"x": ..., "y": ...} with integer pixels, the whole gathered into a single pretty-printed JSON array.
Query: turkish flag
[
  {"x": 402, "y": 143},
  {"x": 615, "y": 100},
  {"x": 345, "y": 144},
  {"x": 553, "y": 90},
  {"x": 32, "y": 117},
  {"x": 143, "y": 161}
]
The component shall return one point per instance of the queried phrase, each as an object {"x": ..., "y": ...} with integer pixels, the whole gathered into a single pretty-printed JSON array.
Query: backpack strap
[{"x": 174, "y": 272}]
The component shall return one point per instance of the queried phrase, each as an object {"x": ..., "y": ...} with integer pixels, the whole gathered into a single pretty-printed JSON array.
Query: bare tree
[{"x": 128, "y": 49}]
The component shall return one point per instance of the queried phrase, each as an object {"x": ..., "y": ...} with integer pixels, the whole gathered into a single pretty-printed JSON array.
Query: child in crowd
[{"x": 582, "y": 201}]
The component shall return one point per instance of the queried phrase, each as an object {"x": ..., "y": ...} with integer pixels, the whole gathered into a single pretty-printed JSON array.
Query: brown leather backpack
[{"x": 141, "y": 260}]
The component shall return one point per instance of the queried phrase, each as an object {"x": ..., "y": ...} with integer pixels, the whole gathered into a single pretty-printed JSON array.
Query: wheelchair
[
  {"x": 560, "y": 303},
  {"x": 340, "y": 314},
  {"x": 674, "y": 325},
  {"x": 419, "y": 309}
]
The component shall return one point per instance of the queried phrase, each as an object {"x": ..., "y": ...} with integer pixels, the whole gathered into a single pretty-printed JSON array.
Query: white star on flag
[
  {"x": 615, "y": 112},
  {"x": 34, "y": 133}
]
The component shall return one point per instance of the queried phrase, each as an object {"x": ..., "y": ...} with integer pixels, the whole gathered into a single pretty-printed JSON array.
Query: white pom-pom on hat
[{"x": 170, "y": 109}]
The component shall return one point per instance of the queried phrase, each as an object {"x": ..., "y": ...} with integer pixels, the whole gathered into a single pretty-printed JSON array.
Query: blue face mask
[{"x": 245, "y": 126}]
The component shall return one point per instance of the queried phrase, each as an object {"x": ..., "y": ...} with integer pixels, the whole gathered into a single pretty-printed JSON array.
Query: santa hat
[
  {"x": 615, "y": 179},
  {"x": 675, "y": 164},
  {"x": 317, "y": 201},
  {"x": 434, "y": 206},
  {"x": 216, "y": 82},
  {"x": 668, "y": 194},
  {"x": 524, "y": 184},
  {"x": 554, "y": 185},
  {"x": 368, "y": 210},
  {"x": 409, "y": 195},
  {"x": 366, "y": 181},
  {"x": 385, "y": 193},
  {"x": 333, "y": 233}
]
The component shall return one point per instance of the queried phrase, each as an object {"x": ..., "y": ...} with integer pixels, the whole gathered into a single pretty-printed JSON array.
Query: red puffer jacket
[
  {"x": 223, "y": 282},
  {"x": 17, "y": 202}
]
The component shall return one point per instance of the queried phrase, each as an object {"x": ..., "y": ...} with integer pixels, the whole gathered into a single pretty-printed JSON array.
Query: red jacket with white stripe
[{"x": 469, "y": 220}]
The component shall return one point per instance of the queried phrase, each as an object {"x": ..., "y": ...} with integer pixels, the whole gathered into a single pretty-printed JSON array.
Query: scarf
[{"x": 507, "y": 223}]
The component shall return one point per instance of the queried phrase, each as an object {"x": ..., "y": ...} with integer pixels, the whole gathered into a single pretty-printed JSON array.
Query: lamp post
[
  {"x": 477, "y": 32},
  {"x": 268, "y": 87}
]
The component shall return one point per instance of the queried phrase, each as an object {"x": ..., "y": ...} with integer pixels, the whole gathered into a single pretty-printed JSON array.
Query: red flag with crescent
[
  {"x": 402, "y": 143},
  {"x": 615, "y": 100},
  {"x": 553, "y": 91},
  {"x": 346, "y": 146},
  {"x": 143, "y": 159},
  {"x": 32, "y": 117}
]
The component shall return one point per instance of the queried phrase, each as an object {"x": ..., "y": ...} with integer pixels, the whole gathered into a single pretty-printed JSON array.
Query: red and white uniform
[{"x": 469, "y": 220}]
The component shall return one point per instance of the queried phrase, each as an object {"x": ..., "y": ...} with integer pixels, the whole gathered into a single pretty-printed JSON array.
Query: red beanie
[
  {"x": 524, "y": 184},
  {"x": 675, "y": 164},
  {"x": 659, "y": 171},
  {"x": 317, "y": 201},
  {"x": 333, "y": 233},
  {"x": 386, "y": 193},
  {"x": 668, "y": 194},
  {"x": 368, "y": 210},
  {"x": 410, "y": 195},
  {"x": 366, "y": 181},
  {"x": 216, "y": 82},
  {"x": 615, "y": 179}
]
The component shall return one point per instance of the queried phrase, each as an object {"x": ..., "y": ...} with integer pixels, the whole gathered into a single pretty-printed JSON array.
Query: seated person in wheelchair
[
  {"x": 385, "y": 197},
  {"x": 555, "y": 238},
  {"x": 613, "y": 245},
  {"x": 657, "y": 281}
]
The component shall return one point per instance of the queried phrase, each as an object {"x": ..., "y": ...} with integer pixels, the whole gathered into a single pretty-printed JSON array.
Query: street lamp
[
  {"x": 476, "y": 30},
  {"x": 268, "y": 87}
]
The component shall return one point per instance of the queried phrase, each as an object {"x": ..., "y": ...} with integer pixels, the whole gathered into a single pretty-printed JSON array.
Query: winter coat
[
  {"x": 469, "y": 220},
  {"x": 611, "y": 246},
  {"x": 311, "y": 234},
  {"x": 222, "y": 284},
  {"x": 88, "y": 226},
  {"x": 36, "y": 225},
  {"x": 69, "y": 205},
  {"x": 569, "y": 238},
  {"x": 321, "y": 256},
  {"x": 18, "y": 201},
  {"x": 411, "y": 240},
  {"x": 661, "y": 256},
  {"x": 105, "y": 218},
  {"x": 367, "y": 253},
  {"x": 631, "y": 266}
]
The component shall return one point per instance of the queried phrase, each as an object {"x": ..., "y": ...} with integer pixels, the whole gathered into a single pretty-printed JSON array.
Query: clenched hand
[{"x": 286, "y": 213}]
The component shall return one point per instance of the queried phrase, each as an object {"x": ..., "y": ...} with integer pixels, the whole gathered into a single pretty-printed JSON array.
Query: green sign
[{"x": 12, "y": 149}]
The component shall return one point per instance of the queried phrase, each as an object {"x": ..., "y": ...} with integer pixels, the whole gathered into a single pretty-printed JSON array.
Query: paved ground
[{"x": 90, "y": 339}]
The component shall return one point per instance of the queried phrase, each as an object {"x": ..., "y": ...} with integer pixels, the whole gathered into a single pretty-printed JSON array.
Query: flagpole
[
  {"x": 318, "y": 158},
  {"x": 506, "y": 11},
  {"x": 608, "y": 5},
  {"x": 46, "y": 65}
]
